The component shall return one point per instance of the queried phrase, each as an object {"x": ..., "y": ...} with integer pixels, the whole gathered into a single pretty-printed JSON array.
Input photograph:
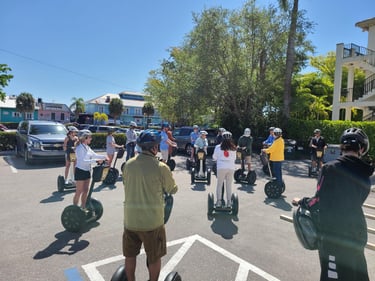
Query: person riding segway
[
  {"x": 67, "y": 181},
  {"x": 275, "y": 187},
  {"x": 200, "y": 172},
  {"x": 244, "y": 151},
  {"x": 225, "y": 156},
  {"x": 318, "y": 146}
]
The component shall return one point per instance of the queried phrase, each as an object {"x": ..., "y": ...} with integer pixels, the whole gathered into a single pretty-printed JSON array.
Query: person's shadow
[
  {"x": 66, "y": 243},
  {"x": 223, "y": 225}
]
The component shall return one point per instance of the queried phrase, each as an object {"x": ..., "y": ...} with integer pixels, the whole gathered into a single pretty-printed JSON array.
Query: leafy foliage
[{"x": 4, "y": 79}]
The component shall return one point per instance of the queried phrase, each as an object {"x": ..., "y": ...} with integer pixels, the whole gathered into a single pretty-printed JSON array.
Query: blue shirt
[
  {"x": 269, "y": 140},
  {"x": 163, "y": 144},
  {"x": 193, "y": 137}
]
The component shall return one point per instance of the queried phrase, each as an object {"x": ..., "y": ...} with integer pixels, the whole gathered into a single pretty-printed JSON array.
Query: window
[{"x": 16, "y": 114}]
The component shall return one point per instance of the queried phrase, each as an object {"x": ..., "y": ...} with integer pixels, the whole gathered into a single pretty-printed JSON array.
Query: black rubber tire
[
  {"x": 73, "y": 218},
  {"x": 192, "y": 175},
  {"x": 283, "y": 187},
  {"x": 310, "y": 171},
  {"x": 237, "y": 175},
  {"x": 208, "y": 176},
  {"x": 251, "y": 177},
  {"x": 26, "y": 157},
  {"x": 97, "y": 207},
  {"x": 120, "y": 274},
  {"x": 111, "y": 177},
  {"x": 168, "y": 205},
  {"x": 272, "y": 189},
  {"x": 188, "y": 148},
  {"x": 60, "y": 183},
  {"x": 172, "y": 164},
  {"x": 173, "y": 276},
  {"x": 210, "y": 204},
  {"x": 235, "y": 205}
]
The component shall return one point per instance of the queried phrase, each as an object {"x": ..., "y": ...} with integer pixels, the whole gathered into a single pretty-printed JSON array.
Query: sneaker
[
  {"x": 66, "y": 181},
  {"x": 229, "y": 204},
  {"x": 85, "y": 210},
  {"x": 218, "y": 203}
]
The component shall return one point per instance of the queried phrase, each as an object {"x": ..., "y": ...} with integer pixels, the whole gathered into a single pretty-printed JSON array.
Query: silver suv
[{"x": 37, "y": 139}]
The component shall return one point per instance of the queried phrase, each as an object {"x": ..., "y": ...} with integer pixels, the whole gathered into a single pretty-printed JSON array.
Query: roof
[
  {"x": 366, "y": 24},
  {"x": 106, "y": 98},
  {"x": 54, "y": 106},
  {"x": 10, "y": 102}
]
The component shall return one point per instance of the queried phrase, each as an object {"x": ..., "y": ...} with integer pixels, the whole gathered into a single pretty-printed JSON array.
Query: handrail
[{"x": 353, "y": 50}]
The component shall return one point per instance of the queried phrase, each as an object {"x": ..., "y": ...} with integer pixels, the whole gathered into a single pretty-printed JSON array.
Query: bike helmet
[
  {"x": 271, "y": 128},
  {"x": 164, "y": 125},
  {"x": 278, "y": 132},
  {"x": 355, "y": 139},
  {"x": 247, "y": 132},
  {"x": 222, "y": 130},
  {"x": 203, "y": 133},
  {"x": 227, "y": 135},
  {"x": 84, "y": 134},
  {"x": 195, "y": 127},
  {"x": 148, "y": 139},
  {"x": 72, "y": 129},
  {"x": 133, "y": 124},
  {"x": 316, "y": 131},
  {"x": 305, "y": 228}
]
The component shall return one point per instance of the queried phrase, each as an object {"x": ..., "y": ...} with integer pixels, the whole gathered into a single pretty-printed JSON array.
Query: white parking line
[
  {"x": 242, "y": 273},
  {"x": 8, "y": 159}
]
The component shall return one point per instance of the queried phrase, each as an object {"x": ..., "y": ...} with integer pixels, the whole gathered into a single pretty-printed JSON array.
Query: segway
[
  {"x": 61, "y": 185},
  {"x": 240, "y": 174},
  {"x": 113, "y": 173},
  {"x": 273, "y": 189},
  {"x": 120, "y": 273},
  {"x": 314, "y": 171},
  {"x": 73, "y": 218},
  {"x": 170, "y": 162},
  {"x": 203, "y": 174},
  {"x": 213, "y": 208}
]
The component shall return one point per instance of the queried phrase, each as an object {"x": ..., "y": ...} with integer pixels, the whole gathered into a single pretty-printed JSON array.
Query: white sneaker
[{"x": 67, "y": 182}]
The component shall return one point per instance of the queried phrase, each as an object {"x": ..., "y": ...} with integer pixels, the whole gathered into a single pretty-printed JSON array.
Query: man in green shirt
[{"x": 145, "y": 179}]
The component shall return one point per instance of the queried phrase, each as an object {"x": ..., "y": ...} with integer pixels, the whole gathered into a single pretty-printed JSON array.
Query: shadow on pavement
[{"x": 223, "y": 225}]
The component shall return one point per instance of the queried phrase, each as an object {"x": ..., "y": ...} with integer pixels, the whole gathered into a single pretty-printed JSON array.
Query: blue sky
[{"x": 60, "y": 49}]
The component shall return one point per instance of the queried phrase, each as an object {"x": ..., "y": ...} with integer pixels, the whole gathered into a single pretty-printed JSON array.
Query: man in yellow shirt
[
  {"x": 276, "y": 151},
  {"x": 145, "y": 179}
]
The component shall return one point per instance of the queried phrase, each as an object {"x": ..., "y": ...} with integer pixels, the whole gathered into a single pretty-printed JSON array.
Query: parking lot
[{"x": 256, "y": 245}]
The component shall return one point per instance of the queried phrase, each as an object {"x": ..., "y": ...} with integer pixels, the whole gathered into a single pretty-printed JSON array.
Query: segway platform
[
  {"x": 201, "y": 175},
  {"x": 240, "y": 175}
]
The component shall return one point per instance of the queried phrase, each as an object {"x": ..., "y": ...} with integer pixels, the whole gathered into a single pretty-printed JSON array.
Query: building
[
  {"x": 355, "y": 57},
  {"x": 133, "y": 104},
  {"x": 8, "y": 112},
  {"x": 54, "y": 112}
]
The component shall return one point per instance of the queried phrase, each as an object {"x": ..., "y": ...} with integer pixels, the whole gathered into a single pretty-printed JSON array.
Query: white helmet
[
  {"x": 247, "y": 132},
  {"x": 227, "y": 135},
  {"x": 84, "y": 134},
  {"x": 278, "y": 132},
  {"x": 132, "y": 123}
]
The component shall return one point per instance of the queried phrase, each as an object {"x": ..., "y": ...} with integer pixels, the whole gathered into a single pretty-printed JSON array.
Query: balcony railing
[{"x": 353, "y": 50}]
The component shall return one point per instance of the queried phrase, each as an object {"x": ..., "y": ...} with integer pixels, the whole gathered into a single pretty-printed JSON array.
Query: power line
[{"x": 60, "y": 68}]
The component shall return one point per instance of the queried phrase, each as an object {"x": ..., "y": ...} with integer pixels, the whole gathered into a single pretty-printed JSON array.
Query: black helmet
[
  {"x": 354, "y": 139},
  {"x": 305, "y": 228},
  {"x": 148, "y": 139}
]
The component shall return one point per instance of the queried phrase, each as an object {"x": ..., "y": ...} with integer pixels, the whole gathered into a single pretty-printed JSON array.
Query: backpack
[{"x": 306, "y": 228}]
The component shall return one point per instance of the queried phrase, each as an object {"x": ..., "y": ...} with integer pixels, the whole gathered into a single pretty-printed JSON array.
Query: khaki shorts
[
  {"x": 248, "y": 159},
  {"x": 154, "y": 242}
]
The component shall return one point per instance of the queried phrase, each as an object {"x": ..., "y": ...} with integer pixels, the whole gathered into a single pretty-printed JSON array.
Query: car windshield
[{"x": 47, "y": 129}]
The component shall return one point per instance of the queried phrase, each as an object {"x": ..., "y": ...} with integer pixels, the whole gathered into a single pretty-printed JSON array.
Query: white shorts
[{"x": 164, "y": 155}]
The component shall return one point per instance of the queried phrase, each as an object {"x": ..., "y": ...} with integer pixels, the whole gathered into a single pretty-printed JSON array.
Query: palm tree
[
  {"x": 148, "y": 110},
  {"x": 25, "y": 103},
  {"x": 78, "y": 107},
  {"x": 115, "y": 108},
  {"x": 290, "y": 56}
]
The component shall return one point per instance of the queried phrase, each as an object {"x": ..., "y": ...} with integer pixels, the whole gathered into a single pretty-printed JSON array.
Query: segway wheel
[
  {"x": 283, "y": 187},
  {"x": 188, "y": 164},
  {"x": 122, "y": 167},
  {"x": 168, "y": 205},
  {"x": 60, "y": 184},
  {"x": 237, "y": 175},
  {"x": 120, "y": 274},
  {"x": 272, "y": 189},
  {"x": 97, "y": 207},
  {"x": 208, "y": 176},
  {"x": 173, "y": 276},
  {"x": 235, "y": 206},
  {"x": 73, "y": 218},
  {"x": 111, "y": 177},
  {"x": 210, "y": 204},
  {"x": 172, "y": 164},
  {"x": 251, "y": 177},
  {"x": 309, "y": 172},
  {"x": 192, "y": 176}
]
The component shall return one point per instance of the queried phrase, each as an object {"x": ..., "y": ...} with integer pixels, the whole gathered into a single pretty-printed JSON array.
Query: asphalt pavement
[{"x": 255, "y": 245}]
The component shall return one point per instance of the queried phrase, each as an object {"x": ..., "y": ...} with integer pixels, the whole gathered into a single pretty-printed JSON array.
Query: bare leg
[
  {"x": 130, "y": 263},
  {"x": 154, "y": 270},
  {"x": 85, "y": 191},
  {"x": 79, "y": 190}
]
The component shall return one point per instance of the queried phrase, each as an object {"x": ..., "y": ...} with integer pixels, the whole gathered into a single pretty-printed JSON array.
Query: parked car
[
  {"x": 182, "y": 136},
  {"x": 40, "y": 140},
  {"x": 101, "y": 128},
  {"x": 4, "y": 128}
]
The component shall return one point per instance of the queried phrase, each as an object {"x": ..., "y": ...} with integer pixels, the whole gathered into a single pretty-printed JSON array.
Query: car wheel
[
  {"x": 27, "y": 158},
  {"x": 17, "y": 151}
]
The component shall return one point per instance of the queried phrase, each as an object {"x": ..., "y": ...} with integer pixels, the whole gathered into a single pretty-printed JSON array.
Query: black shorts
[{"x": 81, "y": 175}]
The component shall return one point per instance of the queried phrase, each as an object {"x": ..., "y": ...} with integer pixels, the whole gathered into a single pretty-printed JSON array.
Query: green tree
[
  {"x": 4, "y": 79},
  {"x": 148, "y": 110},
  {"x": 78, "y": 107},
  {"x": 25, "y": 103},
  {"x": 115, "y": 108}
]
